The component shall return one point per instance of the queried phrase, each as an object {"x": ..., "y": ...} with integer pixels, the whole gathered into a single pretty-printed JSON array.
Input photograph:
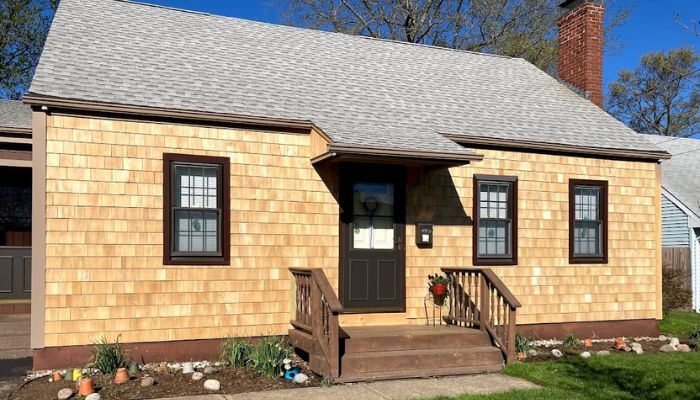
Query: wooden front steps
[{"x": 391, "y": 352}]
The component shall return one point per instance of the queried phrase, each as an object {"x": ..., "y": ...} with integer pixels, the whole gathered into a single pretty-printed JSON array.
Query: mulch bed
[
  {"x": 649, "y": 347},
  {"x": 233, "y": 380}
]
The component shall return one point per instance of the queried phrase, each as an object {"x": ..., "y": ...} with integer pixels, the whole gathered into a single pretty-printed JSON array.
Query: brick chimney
[{"x": 581, "y": 47}]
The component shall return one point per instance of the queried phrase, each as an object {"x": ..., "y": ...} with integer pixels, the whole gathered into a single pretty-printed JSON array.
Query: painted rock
[
  {"x": 65, "y": 394},
  {"x": 187, "y": 368},
  {"x": 684, "y": 348},
  {"x": 212, "y": 384},
  {"x": 210, "y": 370},
  {"x": 197, "y": 376},
  {"x": 147, "y": 382},
  {"x": 300, "y": 378},
  {"x": 667, "y": 348}
]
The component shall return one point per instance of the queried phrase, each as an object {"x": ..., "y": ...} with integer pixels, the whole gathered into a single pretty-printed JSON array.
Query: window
[
  {"x": 195, "y": 210},
  {"x": 495, "y": 220},
  {"x": 588, "y": 220}
]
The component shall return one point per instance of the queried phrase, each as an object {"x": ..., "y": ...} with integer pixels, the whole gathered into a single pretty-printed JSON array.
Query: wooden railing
[
  {"x": 317, "y": 309},
  {"x": 478, "y": 298}
]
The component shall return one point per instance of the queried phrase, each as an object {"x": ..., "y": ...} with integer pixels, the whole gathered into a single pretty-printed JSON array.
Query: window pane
[
  {"x": 196, "y": 231},
  {"x": 587, "y": 238},
  {"x": 373, "y": 215},
  {"x": 196, "y": 186},
  {"x": 586, "y": 203},
  {"x": 494, "y": 238}
]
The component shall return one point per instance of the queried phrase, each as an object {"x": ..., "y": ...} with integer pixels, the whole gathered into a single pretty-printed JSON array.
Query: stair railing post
[
  {"x": 511, "y": 334},
  {"x": 485, "y": 303}
]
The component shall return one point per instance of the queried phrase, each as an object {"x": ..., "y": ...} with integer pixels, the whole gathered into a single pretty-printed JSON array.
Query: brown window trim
[
  {"x": 603, "y": 185},
  {"x": 224, "y": 259},
  {"x": 487, "y": 261}
]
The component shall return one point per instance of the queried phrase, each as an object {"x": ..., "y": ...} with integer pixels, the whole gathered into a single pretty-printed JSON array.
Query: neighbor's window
[
  {"x": 196, "y": 211},
  {"x": 495, "y": 220},
  {"x": 588, "y": 232}
]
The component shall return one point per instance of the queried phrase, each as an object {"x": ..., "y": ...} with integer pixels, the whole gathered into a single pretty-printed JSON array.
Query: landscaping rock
[
  {"x": 603, "y": 353},
  {"x": 531, "y": 353},
  {"x": 557, "y": 353},
  {"x": 585, "y": 354},
  {"x": 187, "y": 368},
  {"x": 65, "y": 394},
  {"x": 94, "y": 396},
  {"x": 674, "y": 341},
  {"x": 662, "y": 338},
  {"x": 212, "y": 384},
  {"x": 626, "y": 349},
  {"x": 300, "y": 378},
  {"x": 684, "y": 348},
  {"x": 210, "y": 370},
  {"x": 147, "y": 382},
  {"x": 637, "y": 348},
  {"x": 667, "y": 348},
  {"x": 197, "y": 376}
]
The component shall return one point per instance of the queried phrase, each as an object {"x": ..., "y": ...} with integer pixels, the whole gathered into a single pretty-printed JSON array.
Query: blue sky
[{"x": 651, "y": 27}]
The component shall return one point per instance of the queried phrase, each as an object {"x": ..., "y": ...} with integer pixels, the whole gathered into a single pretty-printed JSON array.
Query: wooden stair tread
[
  {"x": 352, "y": 332},
  {"x": 418, "y": 373},
  {"x": 422, "y": 352}
]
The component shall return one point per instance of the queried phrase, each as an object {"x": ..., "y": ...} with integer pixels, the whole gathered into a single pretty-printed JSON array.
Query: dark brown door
[{"x": 373, "y": 238}]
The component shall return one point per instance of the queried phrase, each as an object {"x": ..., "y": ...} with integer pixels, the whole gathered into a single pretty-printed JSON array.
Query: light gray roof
[
  {"x": 360, "y": 91},
  {"x": 681, "y": 174},
  {"x": 15, "y": 114}
]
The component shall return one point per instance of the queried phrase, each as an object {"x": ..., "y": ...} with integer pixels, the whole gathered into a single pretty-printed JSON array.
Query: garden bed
[{"x": 233, "y": 380}]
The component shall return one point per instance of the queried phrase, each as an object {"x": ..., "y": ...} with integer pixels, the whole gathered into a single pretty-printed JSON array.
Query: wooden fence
[{"x": 677, "y": 290}]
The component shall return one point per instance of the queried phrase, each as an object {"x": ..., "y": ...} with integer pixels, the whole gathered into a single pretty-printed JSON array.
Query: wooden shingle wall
[{"x": 104, "y": 270}]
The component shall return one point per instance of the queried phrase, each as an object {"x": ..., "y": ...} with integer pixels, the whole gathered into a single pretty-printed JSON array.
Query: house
[
  {"x": 15, "y": 206},
  {"x": 681, "y": 208},
  {"x": 198, "y": 176}
]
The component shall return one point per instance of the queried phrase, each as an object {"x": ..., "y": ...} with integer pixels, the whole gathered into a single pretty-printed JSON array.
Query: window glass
[
  {"x": 494, "y": 225},
  {"x": 373, "y": 215},
  {"x": 587, "y": 221}
]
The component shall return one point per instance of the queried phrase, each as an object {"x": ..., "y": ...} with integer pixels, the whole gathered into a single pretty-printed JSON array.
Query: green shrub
[
  {"x": 108, "y": 357},
  {"x": 695, "y": 335},
  {"x": 235, "y": 352},
  {"x": 571, "y": 341},
  {"x": 522, "y": 343},
  {"x": 267, "y": 356}
]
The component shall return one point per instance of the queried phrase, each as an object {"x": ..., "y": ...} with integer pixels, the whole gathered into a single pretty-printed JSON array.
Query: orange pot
[
  {"x": 521, "y": 356},
  {"x": 57, "y": 376},
  {"x": 619, "y": 343},
  {"x": 121, "y": 377},
  {"x": 588, "y": 343},
  {"x": 85, "y": 387}
]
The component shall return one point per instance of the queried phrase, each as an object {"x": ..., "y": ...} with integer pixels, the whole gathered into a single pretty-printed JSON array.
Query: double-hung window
[
  {"x": 588, "y": 220},
  {"x": 196, "y": 210},
  {"x": 495, "y": 220}
]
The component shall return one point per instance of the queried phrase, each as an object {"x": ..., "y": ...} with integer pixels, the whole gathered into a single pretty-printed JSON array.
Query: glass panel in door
[{"x": 373, "y": 215}]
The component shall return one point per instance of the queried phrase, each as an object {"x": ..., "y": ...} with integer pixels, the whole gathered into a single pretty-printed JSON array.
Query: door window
[{"x": 373, "y": 215}]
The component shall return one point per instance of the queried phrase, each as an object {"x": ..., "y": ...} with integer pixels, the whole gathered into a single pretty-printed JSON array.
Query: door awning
[{"x": 340, "y": 152}]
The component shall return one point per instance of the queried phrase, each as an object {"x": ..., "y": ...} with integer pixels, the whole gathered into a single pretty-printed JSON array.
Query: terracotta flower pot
[
  {"x": 439, "y": 289},
  {"x": 619, "y": 343},
  {"x": 588, "y": 343},
  {"x": 57, "y": 376},
  {"x": 121, "y": 377},
  {"x": 85, "y": 388},
  {"x": 521, "y": 356}
]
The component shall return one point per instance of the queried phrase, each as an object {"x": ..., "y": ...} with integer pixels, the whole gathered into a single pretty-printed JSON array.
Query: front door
[{"x": 372, "y": 241}]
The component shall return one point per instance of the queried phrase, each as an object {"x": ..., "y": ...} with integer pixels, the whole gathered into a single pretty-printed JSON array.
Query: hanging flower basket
[{"x": 438, "y": 288}]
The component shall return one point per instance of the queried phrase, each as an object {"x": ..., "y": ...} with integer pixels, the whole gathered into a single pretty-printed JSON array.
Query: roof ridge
[{"x": 394, "y": 41}]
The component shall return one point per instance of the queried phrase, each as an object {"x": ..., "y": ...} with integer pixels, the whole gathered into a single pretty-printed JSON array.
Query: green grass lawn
[
  {"x": 679, "y": 322},
  {"x": 618, "y": 376}
]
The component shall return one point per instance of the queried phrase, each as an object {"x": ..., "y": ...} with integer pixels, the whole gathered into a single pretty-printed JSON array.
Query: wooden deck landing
[{"x": 371, "y": 353}]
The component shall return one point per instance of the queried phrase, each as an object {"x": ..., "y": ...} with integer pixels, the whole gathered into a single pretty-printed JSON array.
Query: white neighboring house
[{"x": 681, "y": 201}]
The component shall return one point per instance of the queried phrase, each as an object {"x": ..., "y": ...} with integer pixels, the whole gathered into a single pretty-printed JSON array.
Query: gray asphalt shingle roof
[
  {"x": 681, "y": 174},
  {"x": 15, "y": 114},
  {"x": 360, "y": 91}
]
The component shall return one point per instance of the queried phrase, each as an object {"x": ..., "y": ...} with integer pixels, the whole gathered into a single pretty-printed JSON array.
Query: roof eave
[
  {"x": 560, "y": 148},
  {"x": 341, "y": 152}
]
